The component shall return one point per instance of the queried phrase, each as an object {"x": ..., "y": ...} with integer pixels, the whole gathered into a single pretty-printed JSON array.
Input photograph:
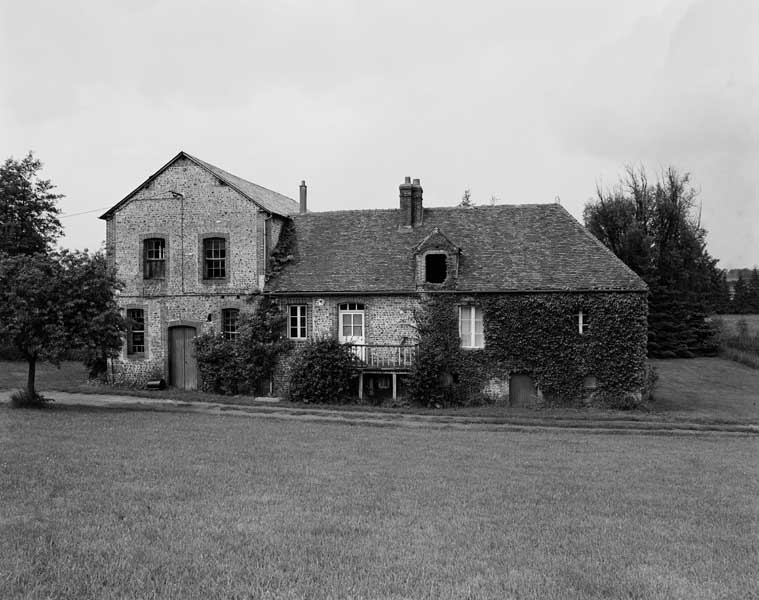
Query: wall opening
[{"x": 435, "y": 268}]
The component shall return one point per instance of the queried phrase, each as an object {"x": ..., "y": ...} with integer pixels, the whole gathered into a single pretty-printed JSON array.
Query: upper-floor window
[
  {"x": 154, "y": 253},
  {"x": 435, "y": 268},
  {"x": 583, "y": 321},
  {"x": 214, "y": 258},
  {"x": 135, "y": 331},
  {"x": 229, "y": 321},
  {"x": 297, "y": 322},
  {"x": 471, "y": 329}
]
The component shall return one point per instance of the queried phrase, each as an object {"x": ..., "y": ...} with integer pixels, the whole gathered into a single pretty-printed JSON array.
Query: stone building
[
  {"x": 359, "y": 276},
  {"x": 191, "y": 244}
]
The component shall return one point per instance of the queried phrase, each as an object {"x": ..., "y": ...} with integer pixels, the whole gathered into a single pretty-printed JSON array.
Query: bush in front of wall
[
  {"x": 323, "y": 372},
  {"x": 237, "y": 366}
]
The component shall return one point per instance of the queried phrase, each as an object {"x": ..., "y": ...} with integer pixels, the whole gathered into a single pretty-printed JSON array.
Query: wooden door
[
  {"x": 522, "y": 391},
  {"x": 183, "y": 368}
]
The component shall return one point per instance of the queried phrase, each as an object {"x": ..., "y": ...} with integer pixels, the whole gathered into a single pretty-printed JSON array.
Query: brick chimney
[
  {"x": 417, "y": 210},
  {"x": 407, "y": 216},
  {"x": 303, "y": 190}
]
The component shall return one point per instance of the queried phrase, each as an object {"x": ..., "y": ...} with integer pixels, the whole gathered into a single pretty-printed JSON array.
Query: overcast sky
[{"x": 521, "y": 100}]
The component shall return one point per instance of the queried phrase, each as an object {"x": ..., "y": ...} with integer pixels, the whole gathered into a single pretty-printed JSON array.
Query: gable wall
[{"x": 208, "y": 208}]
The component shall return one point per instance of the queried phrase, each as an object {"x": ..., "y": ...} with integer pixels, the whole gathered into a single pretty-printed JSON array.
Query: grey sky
[{"x": 524, "y": 101}]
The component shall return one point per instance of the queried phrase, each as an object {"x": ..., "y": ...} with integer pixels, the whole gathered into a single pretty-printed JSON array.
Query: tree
[
  {"x": 466, "y": 199},
  {"x": 741, "y": 298},
  {"x": 655, "y": 229},
  {"x": 28, "y": 213},
  {"x": 52, "y": 304},
  {"x": 753, "y": 292}
]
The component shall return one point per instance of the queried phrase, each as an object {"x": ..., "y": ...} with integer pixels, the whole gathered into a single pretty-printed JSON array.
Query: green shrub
[
  {"x": 23, "y": 399},
  {"x": 323, "y": 371}
]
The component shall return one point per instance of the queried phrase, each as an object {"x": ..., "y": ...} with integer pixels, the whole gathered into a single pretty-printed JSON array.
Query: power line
[{"x": 86, "y": 212}]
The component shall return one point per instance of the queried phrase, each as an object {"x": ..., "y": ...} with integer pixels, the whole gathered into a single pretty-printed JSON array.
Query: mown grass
[{"x": 108, "y": 504}]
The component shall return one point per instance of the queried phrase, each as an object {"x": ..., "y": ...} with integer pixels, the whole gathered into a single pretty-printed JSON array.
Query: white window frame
[
  {"x": 471, "y": 343},
  {"x": 583, "y": 322},
  {"x": 299, "y": 314}
]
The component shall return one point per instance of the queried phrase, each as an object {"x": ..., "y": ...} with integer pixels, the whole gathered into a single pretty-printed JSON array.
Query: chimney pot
[
  {"x": 408, "y": 180},
  {"x": 416, "y": 182},
  {"x": 303, "y": 193}
]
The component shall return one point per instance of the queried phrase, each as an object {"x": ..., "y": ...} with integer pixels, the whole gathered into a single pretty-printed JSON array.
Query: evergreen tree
[
  {"x": 654, "y": 229},
  {"x": 753, "y": 292},
  {"x": 741, "y": 304}
]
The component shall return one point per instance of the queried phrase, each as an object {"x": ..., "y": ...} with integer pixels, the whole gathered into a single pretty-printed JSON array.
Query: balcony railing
[{"x": 384, "y": 356}]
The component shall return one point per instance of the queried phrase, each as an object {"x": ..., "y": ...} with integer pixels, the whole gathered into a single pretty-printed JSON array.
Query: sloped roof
[
  {"x": 269, "y": 200},
  {"x": 506, "y": 248}
]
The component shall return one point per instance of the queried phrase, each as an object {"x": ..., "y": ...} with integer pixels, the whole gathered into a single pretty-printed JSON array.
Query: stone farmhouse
[
  {"x": 192, "y": 242},
  {"x": 359, "y": 275}
]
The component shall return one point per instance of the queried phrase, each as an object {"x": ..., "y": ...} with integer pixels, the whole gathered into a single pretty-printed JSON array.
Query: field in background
[
  {"x": 103, "y": 503},
  {"x": 731, "y": 323}
]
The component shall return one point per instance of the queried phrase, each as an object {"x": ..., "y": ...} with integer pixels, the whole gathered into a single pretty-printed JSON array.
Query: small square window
[{"x": 583, "y": 322}]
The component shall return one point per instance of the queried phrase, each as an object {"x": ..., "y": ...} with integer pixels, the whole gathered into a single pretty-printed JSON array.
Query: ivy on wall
[{"x": 536, "y": 335}]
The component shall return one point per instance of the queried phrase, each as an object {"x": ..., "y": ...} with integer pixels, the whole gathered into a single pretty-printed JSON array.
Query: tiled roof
[
  {"x": 506, "y": 248},
  {"x": 269, "y": 200}
]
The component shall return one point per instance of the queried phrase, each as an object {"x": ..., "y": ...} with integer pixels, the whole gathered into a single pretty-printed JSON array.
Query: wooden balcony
[{"x": 384, "y": 357}]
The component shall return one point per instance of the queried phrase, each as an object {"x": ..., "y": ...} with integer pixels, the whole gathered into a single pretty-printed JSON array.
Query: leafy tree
[
  {"x": 52, "y": 304},
  {"x": 654, "y": 228},
  {"x": 28, "y": 212}
]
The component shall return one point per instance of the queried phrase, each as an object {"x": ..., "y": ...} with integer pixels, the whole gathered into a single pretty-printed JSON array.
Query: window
[
  {"x": 229, "y": 317},
  {"x": 470, "y": 327},
  {"x": 135, "y": 331},
  {"x": 351, "y": 320},
  {"x": 297, "y": 322},
  {"x": 214, "y": 258},
  {"x": 435, "y": 268},
  {"x": 583, "y": 322},
  {"x": 154, "y": 253}
]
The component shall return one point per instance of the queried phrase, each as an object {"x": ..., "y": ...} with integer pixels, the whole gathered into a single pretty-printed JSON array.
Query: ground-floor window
[
  {"x": 135, "y": 331},
  {"x": 471, "y": 329},
  {"x": 229, "y": 319},
  {"x": 297, "y": 322}
]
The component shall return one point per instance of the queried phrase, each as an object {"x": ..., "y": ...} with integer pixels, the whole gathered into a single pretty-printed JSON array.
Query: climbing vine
[{"x": 536, "y": 335}]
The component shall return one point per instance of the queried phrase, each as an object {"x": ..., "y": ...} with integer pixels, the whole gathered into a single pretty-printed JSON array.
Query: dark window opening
[
  {"x": 436, "y": 268},
  {"x": 154, "y": 251},
  {"x": 214, "y": 258},
  {"x": 135, "y": 331},
  {"x": 229, "y": 317}
]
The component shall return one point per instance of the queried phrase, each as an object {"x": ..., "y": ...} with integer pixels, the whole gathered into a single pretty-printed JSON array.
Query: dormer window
[{"x": 435, "y": 268}]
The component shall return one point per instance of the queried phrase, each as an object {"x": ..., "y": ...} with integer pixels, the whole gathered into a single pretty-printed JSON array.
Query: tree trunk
[{"x": 30, "y": 376}]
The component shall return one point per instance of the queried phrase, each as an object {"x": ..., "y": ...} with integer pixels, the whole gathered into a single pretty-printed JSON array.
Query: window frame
[
  {"x": 582, "y": 319},
  {"x": 203, "y": 241},
  {"x": 301, "y": 321},
  {"x": 147, "y": 273},
  {"x": 131, "y": 331},
  {"x": 474, "y": 311},
  {"x": 445, "y": 261},
  {"x": 230, "y": 327}
]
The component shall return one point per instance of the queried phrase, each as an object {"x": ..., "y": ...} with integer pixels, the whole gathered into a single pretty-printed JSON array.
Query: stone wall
[{"x": 182, "y": 205}]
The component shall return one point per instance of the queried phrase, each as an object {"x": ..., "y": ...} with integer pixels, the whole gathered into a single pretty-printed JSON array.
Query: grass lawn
[
  {"x": 730, "y": 323},
  {"x": 110, "y": 504}
]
